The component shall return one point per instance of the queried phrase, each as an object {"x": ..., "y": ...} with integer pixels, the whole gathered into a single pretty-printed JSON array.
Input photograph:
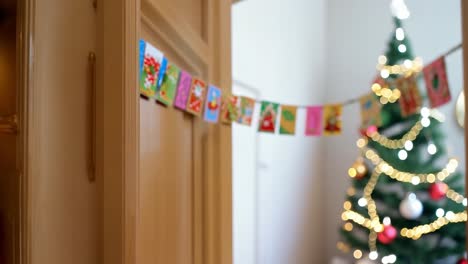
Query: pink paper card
[
  {"x": 314, "y": 121},
  {"x": 183, "y": 90},
  {"x": 435, "y": 76}
]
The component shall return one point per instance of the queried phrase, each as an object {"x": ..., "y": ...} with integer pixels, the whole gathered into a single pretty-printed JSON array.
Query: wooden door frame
[
  {"x": 28, "y": 103},
  {"x": 464, "y": 11}
]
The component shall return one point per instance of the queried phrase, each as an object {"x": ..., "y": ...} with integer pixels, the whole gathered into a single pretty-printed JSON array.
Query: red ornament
[
  {"x": 387, "y": 235},
  {"x": 462, "y": 261},
  {"x": 438, "y": 190}
]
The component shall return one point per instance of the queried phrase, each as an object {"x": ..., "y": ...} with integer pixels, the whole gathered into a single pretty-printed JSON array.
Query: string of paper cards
[{"x": 171, "y": 86}]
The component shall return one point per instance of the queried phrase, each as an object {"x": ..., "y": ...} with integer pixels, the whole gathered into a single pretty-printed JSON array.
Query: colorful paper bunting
[
  {"x": 435, "y": 76},
  {"x": 170, "y": 85},
  {"x": 410, "y": 99},
  {"x": 153, "y": 63},
  {"x": 230, "y": 109},
  {"x": 183, "y": 90},
  {"x": 247, "y": 107},
  {"x": 332, "y": 119},
  {"x": 268, "y": 116},
  {"x": 167, "y": 92},
  {"x": 213, "y": 104},
  {"x": 288, "y": 120},
  {"x": 370, "y": 111},
  {"x": 196, "y": 97},
  {"x": 314, "y": 121}
]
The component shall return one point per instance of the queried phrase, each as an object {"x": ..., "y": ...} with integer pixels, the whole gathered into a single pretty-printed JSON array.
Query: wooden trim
[
  {"x": 171, "y": 41},
  {"x": 162, "y": 15},
  {"x": 28, "y": 103},
  {"x": 118, "y": 123},
  {"x": 219, "y": 177},
  {"x": 464, "y": 7},
  {"x": 131, "y": 135}
]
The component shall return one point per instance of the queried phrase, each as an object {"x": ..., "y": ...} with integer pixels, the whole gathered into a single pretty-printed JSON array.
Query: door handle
[
  {"x": 9, "y": 124},
  {"x": 92, "y": 118}
]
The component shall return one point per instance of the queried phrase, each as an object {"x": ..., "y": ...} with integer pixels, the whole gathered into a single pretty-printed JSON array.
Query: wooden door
[
  {"x": 9, "y": 176},
  {"x": 181, "y": 157},
  {"x": 166, "y": 175},
  {"x": 63, "y": 218}
]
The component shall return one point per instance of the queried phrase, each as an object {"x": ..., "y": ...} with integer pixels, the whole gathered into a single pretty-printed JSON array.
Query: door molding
[
  {"x": 28, "y": 104},
  {"x": 117, "y": 123}
]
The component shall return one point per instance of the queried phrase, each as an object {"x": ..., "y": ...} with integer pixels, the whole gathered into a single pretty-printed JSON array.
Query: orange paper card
[{"x": 196, "y": 98}]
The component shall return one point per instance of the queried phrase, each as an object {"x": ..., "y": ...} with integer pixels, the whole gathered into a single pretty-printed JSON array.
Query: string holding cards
[{"x": 172, "y": 86}]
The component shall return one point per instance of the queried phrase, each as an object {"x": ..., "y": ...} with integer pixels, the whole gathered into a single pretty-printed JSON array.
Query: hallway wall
[
  {"x": 278, "y": 48},
  {"x": 288, "y": 191},
  {"x": 358, "y": 32}
]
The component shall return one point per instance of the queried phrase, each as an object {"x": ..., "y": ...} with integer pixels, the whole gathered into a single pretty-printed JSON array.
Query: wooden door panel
[
  {"x": 165, "y": 185},
  {"x": 190, "y": 13},
  {"x": 184, "y": 208},
  {"x": 167, "y": 169},
  {"x": 170, "y": 161}
]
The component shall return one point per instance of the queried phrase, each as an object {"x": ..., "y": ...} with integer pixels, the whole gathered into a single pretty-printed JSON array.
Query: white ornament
[{"x": 411, "y": 208}]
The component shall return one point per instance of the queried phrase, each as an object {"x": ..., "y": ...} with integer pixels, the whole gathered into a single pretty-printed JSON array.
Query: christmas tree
[{"x": 405, "y": 204}]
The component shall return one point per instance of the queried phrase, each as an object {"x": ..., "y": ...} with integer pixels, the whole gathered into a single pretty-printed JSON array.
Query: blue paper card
[
  {"x": 162, "y": 71},
  {"x": 212, "y": 104},
  {"x": 142, "y": 53}
]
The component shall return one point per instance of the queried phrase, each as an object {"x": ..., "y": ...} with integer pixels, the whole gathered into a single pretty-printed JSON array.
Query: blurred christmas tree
[{"x": 406, "y": 203}]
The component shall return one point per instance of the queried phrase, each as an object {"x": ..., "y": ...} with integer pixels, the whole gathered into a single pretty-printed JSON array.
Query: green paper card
[
  {"x": 151, "y": 67},
  {"x": 288, "y": 120},
  {"x": 230, "y": 109},
  {"x": 268, "y": 116},
  {"x": 167, "y": 92}
]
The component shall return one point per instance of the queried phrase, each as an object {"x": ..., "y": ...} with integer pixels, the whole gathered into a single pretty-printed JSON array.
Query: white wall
[
  {"x": 358, "y": 32},
  {"x": 288, "y": 191},
  {"x": 278, "y": 47}
]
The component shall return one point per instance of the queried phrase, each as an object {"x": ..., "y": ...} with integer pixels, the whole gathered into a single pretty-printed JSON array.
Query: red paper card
[
  {"x": 410, "y": 100},
  {"x": 435, "y": 76},
  {"x": 332, "y": 119},
  {"x": 196, "y": 98}
]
